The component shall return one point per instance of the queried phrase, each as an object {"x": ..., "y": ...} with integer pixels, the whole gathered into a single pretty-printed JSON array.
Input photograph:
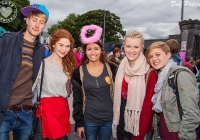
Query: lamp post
[
  {"x": 104, "y": 27},
  {"x": 182, "y": 10},
  {"x": 181, "y": 36}
]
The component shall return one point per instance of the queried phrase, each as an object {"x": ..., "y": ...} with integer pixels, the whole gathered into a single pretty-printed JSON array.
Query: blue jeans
[
  {"x": 20, "y": 122},
  {"x": 100, "y": 131}
]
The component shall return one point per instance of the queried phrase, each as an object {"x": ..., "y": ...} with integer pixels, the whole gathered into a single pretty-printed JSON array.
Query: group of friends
[{"x": 107, "y": 98}]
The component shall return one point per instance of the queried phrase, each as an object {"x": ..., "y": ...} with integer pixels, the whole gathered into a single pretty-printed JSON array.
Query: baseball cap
[{"x": 35, "y": 7}]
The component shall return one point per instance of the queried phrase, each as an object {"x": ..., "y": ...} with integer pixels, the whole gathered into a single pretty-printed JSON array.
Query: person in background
[
  {"x": 47, "y": 50},
  {"x": 93, "y": 90},
  {"x": 188, "y": 64},
  {"x": 198, "y": 67},
  {"x": 75, "y": 50},
  {"x": 195, "y": 69},
  {"x": 117, "y": 56},
  {"x": 171, "y": 125},
  {"x": 198, "y": 73},
  {"x": 20, "y": 56},
  {"x": 56, "y": 87},
  {"x": 134, "y": 88},
  {"x": 174, "y": 49},
  {"x": 78, "y": 56}
]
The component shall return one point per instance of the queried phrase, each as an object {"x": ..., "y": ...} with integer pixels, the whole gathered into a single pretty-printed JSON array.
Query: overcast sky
[{"x": 153, "y": 18}]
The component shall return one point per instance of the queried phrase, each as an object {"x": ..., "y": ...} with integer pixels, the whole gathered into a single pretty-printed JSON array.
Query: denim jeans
[
  {"x": 20, "y": 122},
  {"x": 100, "y": 131}
]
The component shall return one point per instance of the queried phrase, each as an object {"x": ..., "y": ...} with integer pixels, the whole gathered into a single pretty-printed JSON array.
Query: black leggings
[
  {"x": 120, "y": 136},
  {"x": 62, "y": 138}
]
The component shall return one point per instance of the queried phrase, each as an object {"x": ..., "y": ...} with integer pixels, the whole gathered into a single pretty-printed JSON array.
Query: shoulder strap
[
  {"x": 81, "y": 78},
  {"x": 81, "y": 73},
  {"x": 42, "y": 75},
  {"x": 112, "y": 83},
  {"x": 172, "y": 81}
]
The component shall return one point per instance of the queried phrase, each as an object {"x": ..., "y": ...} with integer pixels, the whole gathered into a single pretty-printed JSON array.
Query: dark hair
[
  {"x": 103, "y": 58},
  {"x": 115, "y": 51},
  {"x": 187, "y": 59}
]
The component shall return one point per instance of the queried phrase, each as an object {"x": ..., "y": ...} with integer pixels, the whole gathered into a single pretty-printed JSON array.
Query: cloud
[{"x": 154, "y": 19}]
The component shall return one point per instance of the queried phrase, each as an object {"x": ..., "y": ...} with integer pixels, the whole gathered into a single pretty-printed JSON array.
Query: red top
[
  {"x": 78, "y": 59},
  {"x": 124, "y": 88},
  {"x": 147, "y": 113},
  {"x": 188, "y": 65}
]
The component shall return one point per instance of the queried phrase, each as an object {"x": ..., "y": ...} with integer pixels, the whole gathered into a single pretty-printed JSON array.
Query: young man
[{"x": 20, "y": 57}]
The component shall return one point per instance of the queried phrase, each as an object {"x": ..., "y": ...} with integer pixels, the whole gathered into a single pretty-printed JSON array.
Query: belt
[{"x": 20, "y": 107}]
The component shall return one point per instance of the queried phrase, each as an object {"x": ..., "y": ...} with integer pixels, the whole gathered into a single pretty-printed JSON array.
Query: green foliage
[
  {"x": 73, "y": 23},
  {"x": 18, "y": 23},
  {"x": 68, "y": 23}
]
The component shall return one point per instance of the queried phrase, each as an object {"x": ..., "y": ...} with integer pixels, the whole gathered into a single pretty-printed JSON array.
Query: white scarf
[
  {"x": 156, "y": 99},
  {"x": 135, "y": 95}
]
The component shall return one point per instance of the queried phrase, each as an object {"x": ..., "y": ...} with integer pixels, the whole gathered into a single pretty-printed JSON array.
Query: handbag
[{"x": 36, "y": 133}]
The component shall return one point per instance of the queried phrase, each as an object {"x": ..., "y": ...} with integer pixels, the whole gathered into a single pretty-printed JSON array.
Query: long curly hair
[{"x": 68, "y": 61}]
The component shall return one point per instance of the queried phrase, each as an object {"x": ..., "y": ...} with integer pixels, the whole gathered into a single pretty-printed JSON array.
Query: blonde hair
[
  {"x": 157, "y": 45},
  {"x": 37, "y": 14},
  {"x": 135, "y": 34}
]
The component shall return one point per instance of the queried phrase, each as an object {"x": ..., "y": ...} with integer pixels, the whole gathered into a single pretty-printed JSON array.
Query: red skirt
[{"x": 55, "y": 117}]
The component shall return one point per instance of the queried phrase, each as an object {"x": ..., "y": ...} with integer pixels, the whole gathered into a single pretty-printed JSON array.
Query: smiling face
[
  {"x": 93, "y": 52},
  {"x": 117, "y": 54},
  {"x": 158, "y": 58},
  {"x": 62, "y": 47},
  {"x": 132, "y": 48},
  {"x": 35, "y": 24}
]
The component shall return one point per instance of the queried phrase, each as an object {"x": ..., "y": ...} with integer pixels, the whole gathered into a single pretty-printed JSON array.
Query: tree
[
  {"x": 68, "y": 23},
  {"x": 73, "y": 23},
  {"x": 19, "y": 22}
]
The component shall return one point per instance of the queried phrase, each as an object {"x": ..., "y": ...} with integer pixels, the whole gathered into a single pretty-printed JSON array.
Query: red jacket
[{"x": 147, "y": 113}]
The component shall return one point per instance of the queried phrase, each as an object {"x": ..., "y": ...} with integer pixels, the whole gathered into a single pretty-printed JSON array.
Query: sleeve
[
  {"x": 114, "y": 69},
  {"x": 36, "y": 85},
  {"x": 1, "y": 47},
  {"x": 2, "y": 40},
  {"x": 147, "y": 113},
  {"x": 77, "y": 99},
  {"x": 188, "y": 93}
]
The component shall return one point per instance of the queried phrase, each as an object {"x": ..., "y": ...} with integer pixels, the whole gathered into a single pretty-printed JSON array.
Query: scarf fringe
[
  {"x": 131, "y": 119},
  {"x": 114, "y": 130}
]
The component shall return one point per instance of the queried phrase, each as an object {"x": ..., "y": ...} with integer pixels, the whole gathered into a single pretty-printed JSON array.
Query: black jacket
[
  {"x": 10, "y": 61},
  {"x": 78, "y": 95}
]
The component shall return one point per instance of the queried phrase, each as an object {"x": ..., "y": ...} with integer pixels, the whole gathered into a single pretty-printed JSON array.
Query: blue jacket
[
  {"x": 10, "y": 61},
  {"x": 177, "y": 58}
]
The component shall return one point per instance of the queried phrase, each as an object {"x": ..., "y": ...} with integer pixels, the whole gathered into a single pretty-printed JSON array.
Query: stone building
[{"x": 190, "y": 38}]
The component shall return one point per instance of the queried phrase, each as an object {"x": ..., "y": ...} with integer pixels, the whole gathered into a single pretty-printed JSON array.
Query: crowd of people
[{"x": 115, "y": 95}]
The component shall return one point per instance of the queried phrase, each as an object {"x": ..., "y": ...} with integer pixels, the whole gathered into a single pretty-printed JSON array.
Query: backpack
[{"x": 172, "y": 81}]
